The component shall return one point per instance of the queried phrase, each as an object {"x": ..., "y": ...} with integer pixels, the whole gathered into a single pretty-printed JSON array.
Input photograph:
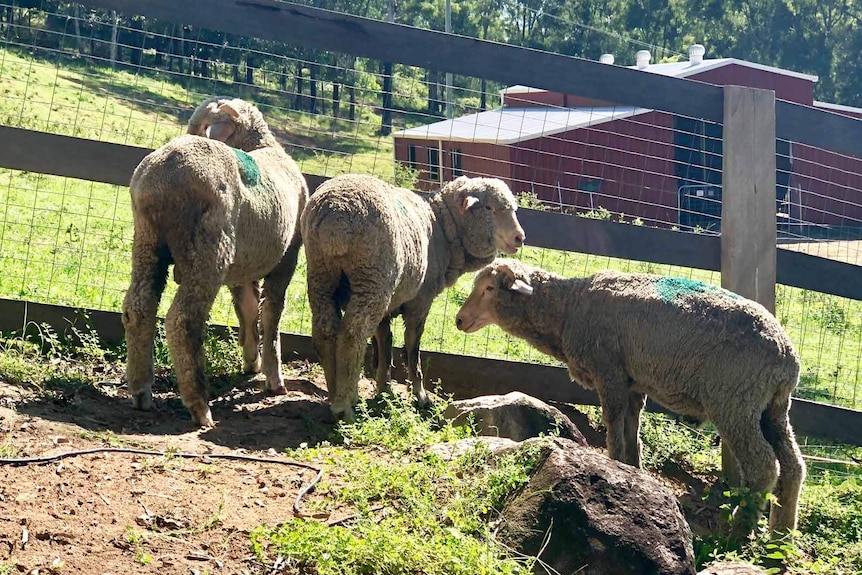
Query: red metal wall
[
  {"x": 633, "y": 158},
  {"x": 826, "y": 188},
  {"x": 477, "y": 159},
  {"x": 788, "y": 88}
]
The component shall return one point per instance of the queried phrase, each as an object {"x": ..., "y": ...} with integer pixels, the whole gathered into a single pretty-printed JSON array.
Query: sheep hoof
[
  {"x": 205, "y": 419},
  {"x": 421, "y": 398},
  {"x": 345, "y": 414},
  {"x": 278, "y": 388},
  {"x": 384, "y": 388},
  {"x": 143, "y": 401},
  {"x": 251, "y": 366}
]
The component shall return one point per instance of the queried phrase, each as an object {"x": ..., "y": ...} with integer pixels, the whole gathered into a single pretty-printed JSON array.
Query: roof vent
[
  {"x": 606, "y": 58},
  {"x": 642, "y": 58},
  {"x": 695, "y": 53}
]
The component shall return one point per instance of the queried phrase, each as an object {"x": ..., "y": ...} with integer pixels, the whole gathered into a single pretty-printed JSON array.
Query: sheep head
[
  {"x": 496, "y": 280},
  {"x": 237, "y": 123},
  {"x": 488, "y": 222}
]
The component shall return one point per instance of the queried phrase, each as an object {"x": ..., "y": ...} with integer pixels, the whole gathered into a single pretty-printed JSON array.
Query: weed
[
  {"x": 530, "y": 200},
  {"x": 437, "y": 512}
]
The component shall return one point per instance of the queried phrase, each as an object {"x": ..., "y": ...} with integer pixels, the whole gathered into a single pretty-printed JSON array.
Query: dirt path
[{"x": 121, "y": 513}]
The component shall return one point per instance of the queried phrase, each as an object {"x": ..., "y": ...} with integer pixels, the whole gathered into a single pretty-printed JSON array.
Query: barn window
[
  {"x": 434, "y": 164},
  {"x": 411, "y": 156},
  {"x": 456, "y": 163}
]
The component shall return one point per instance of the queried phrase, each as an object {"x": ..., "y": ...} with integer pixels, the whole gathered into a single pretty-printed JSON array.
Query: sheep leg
[
  {"x": 615, "y": 412},
  {"x": 274, "y": 288},
  {"x": 185, "y": 327},
  {"x": 149, "y": 274},
  {"x": 631, "y": 429},
  {"x": 776, "y": 428},
  {"x": 414, "y": 326},
  {"x": 246, "y": 303},
  {"x": 757, "y": 462},
  {"x": 362, "y": 313},
  {"x": 325, "y": 318},
  {"x": 383, "y": 357}
]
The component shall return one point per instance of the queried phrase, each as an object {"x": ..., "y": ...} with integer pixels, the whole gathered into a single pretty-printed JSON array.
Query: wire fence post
[{"x": 748, "y": 224}]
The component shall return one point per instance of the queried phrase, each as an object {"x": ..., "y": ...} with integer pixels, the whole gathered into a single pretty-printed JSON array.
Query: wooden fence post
[{"x": 748, "y": 221}]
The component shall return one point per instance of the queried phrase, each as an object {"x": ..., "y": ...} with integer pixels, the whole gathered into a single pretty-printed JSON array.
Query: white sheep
[
  {"x": 696, "y": 349},
  {"x": 375, "y": 251},
  {"x": 223, "y": 208}
]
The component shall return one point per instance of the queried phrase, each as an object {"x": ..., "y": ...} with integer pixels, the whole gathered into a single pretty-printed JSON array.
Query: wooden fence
[{"x": 747, "y": 257}]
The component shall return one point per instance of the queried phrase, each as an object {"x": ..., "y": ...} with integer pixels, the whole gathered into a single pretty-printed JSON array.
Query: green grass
[
  {"x": 67, "y": 241},
  {"x": 394, "y": 505}
]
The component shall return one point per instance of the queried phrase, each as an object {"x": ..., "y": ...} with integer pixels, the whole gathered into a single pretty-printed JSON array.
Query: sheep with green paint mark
[
  {"x": 376, "y": 251},
  {"x": 222, "y": 204},
  {"x": 696, "y": 349}
]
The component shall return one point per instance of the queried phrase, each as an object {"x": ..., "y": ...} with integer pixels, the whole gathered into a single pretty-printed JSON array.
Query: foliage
[
  {"x": 436, "y": 512},
  {"x": 530, "y": 200}
]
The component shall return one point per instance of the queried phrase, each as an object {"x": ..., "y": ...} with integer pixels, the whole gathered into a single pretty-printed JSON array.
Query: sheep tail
[{"x": 333, "y": 232}]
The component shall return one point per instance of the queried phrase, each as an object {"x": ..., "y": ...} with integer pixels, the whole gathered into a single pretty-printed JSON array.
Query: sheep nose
[
  {"x": 519, "y": 239},
  {"x": 458, "y": 322}
]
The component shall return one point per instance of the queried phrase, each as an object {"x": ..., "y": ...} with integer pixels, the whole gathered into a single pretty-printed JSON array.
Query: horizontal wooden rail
[
  {"x": 327, "y": 30},
  {"x": 335, "y": 31},
  {"x": 114, "y": 163},
  {"x": 463, "y": 376}
]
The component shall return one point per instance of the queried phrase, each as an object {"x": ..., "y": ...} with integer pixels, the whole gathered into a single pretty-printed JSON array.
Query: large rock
[
  {"x": 515, "y": 415},
  {"x": 596, "y": 516},
  {"x": 454, "y": 449},
  {"x": 732, "y": 568}
]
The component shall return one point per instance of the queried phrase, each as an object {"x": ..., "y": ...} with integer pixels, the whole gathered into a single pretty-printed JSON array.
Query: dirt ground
[{"x": 121, "y": 513}]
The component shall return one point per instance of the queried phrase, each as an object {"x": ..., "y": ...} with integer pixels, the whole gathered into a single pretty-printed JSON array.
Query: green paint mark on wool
[
  {"x": 401, "y": 206},
  {"x": 670, "y": 288},
  {"x": 248, "y": 169}
]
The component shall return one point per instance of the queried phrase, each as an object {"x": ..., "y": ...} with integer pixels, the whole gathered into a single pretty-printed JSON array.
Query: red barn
[{"x": 662, "y": 168}]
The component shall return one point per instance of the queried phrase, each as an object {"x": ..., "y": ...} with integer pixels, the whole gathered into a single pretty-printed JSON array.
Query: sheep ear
[
  {"x": 229, "y": 108},
  {"x": 469, "y": 202},
  {"x": 521, "y": 286}
]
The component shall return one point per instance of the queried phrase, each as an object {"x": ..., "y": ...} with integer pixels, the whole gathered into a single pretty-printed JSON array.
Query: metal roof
[
  {"x": 512, "y": 125},
  {"x": 684, "y": 69}
]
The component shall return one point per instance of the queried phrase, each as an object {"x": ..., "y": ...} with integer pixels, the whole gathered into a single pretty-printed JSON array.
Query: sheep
[
  {"x": 222, "y": 204},
  {"x": 375, "y": 251},
  {"x": 696, "y": 349}
]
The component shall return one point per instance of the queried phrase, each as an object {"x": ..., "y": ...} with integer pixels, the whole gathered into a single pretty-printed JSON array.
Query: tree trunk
[
  {"x": 249, "y": 71},
  {"x": 483, "y": 95},
  {"x": 336, "y": 99},
  {"x": 386, "y": 100},
  {"x": 115, "y": 30},
  {"x": 282, "y": 79},
  {"x": 297, "y": 98},
  {"x": 433, "y": 98},
  {"x": 76, "y": 16},
  {"x": 181, "y": 68},
  {"x": 205, "y": 63},
  {"x": 312, "y": 87}
]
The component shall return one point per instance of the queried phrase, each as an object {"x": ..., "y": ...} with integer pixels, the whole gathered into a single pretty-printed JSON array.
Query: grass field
[{"x": 68, "y": 241}]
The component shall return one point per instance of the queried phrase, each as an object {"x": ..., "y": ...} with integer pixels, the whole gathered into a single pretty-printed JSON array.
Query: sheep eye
[
  {"x": 489, "y": 288},
  {"x": 488, "y": 208}
]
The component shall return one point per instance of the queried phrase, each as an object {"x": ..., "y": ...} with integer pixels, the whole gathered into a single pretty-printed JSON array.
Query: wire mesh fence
[{"x": 70, "y": 70}]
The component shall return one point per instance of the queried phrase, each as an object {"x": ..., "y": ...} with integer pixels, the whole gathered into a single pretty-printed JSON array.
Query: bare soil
[{"x": 121, "y": 513}]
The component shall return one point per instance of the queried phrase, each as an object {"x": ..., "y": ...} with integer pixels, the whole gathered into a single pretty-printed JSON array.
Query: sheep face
[
  {"x": 488, "y": 209},
  {"x": 494, "y": 281},
  {"x": 233, "y": 121}
]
